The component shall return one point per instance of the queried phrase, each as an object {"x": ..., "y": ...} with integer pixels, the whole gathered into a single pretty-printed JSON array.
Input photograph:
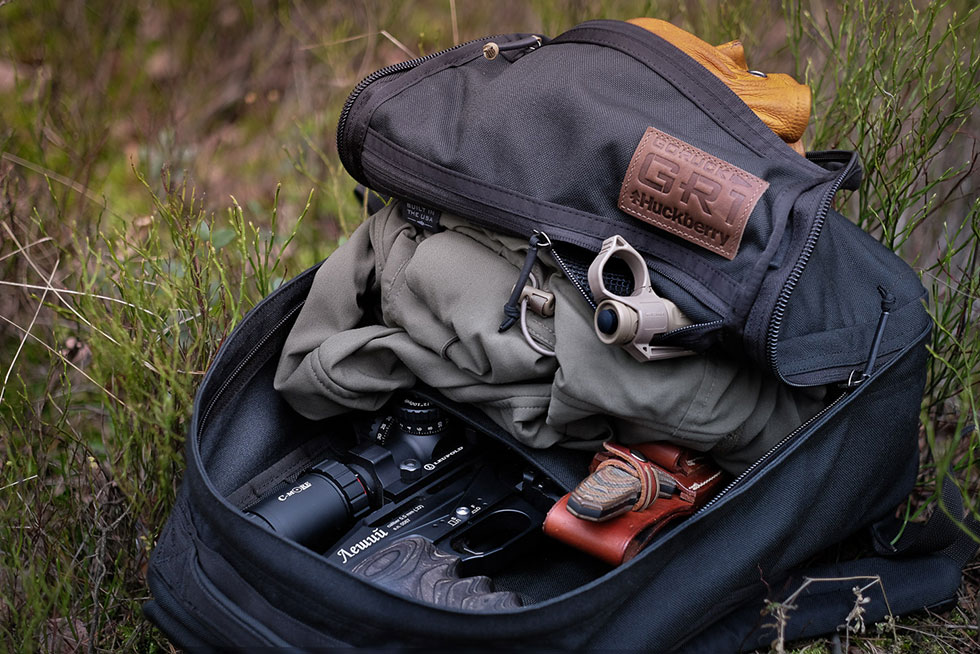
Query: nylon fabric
[
  {"x": 714, "y": 556},
  {"x": 845, "y": 469},
  {"x": 484, "y": 142},
  {"x": 808, "y": 499},
  {"x": 440, "y": 299},
  {"x": 831, "y": 319},
  {"x": 497, "y": 163},
  {"x": 533, "y": 136}
]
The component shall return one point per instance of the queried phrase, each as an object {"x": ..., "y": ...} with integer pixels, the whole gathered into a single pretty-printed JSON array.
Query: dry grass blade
[
  {"x": 68, "y": 305},
  {"x": 20, "y": 481},
  {"x": 65, "y": 359},
  {"x": 69, "y": 291},
  {"x": 398, "y": 44},
  {"x": 61, "y": 179},
  {"x": 40, "y": 305},
  {"x": 347, "y": 39},
  {"x": 454, "y": 21},
  {"x": 40, "y": 241}
]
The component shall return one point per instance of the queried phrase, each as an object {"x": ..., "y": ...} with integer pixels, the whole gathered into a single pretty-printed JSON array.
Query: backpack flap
[{"x": 610, "y": 130}]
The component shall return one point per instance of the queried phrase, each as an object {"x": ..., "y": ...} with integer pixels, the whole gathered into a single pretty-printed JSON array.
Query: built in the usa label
[{"x": 422, "y": 217}]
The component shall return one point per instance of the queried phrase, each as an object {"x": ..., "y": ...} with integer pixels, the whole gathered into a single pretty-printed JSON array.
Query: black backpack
[{"x": 532, "y": 135}]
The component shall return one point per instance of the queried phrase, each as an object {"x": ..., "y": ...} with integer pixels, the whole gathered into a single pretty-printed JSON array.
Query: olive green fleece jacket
[{"x": 395, "y": 305}]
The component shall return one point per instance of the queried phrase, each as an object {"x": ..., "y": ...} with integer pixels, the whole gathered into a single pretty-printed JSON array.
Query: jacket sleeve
[{"x": 338, "y": 356}]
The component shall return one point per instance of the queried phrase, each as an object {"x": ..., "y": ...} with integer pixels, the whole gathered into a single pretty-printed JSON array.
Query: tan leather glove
[{"x": 778, "y": 100}]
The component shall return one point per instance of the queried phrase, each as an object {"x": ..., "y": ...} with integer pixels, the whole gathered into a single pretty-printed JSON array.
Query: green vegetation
[{"x": 156, "y": 160}]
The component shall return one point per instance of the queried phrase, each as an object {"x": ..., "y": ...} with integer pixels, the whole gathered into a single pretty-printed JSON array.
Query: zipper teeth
[
  {"x": 707, "y": 481},
  {"x": 765, "y": 457},
  {"x": 384, "y": 72},
  {"x": 687, "y": 328},
  {"x": 241, "y": 364},
  {"x": 569, "y": 277},
  {"x": 779, "y": 310},
  {"x": 775, "y": 325},
  {"x": 398, "y": 187},
  {"x": 588, "y": 298}
]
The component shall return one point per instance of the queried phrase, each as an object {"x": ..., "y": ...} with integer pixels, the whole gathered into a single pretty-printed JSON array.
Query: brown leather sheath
[{"x": 621, "y": 538}]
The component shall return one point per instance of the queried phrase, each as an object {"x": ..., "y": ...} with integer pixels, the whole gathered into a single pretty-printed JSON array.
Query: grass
[{"x": 166, "y": 165}]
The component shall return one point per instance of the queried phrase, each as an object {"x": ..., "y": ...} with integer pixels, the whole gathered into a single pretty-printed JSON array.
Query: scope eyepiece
[
  {"x": 327, "y": 498},
  {"x": 317, "y": 508}
]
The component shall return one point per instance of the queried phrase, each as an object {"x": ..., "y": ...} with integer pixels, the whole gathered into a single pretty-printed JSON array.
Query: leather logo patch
[{"x": 688, "y": 192}]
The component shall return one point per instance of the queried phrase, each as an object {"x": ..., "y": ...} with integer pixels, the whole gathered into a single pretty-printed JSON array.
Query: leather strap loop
[
  {"x": 648, "y": 473},
  {"x": 623, "y": 535}
]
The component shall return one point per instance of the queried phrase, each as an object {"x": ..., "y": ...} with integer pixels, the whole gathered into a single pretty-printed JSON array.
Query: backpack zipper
[
  {"x": 769, "y": 454},
  {"x": 491, "y": 49},
  {"x": 779, "y": 309},
  {"x": 887, "y": 304},
  {"x": 564, "y": 270},
  {"x": 404, "y": 187},
  {"x": 588, "y": 298},
  {"x": 241, "y": 364},
  {"x": 688, "y": 328},
  {"x": 765, "y": 458},
  {"x": 343, "y": 150}
]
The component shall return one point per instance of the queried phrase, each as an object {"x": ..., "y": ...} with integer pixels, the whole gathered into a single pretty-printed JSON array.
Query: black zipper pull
[
  {"x": 511, "y": 310},
  {"x": 491, "y": 49},
  {"x": 887, "y": 304}
]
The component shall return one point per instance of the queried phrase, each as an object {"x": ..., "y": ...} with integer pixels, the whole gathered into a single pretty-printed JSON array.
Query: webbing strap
[{"x": 957, "y": 538}]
